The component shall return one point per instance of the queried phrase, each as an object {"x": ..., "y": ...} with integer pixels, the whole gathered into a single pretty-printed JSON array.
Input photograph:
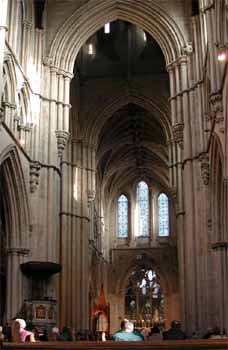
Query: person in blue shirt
[{"x": 127, "y": 333}]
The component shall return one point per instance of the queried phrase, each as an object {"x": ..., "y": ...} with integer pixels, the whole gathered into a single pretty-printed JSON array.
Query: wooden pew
[{"x": 212, "y": 344}]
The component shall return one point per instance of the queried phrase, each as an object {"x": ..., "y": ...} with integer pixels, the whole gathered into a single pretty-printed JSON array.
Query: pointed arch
[
  {"x": 15, "y": 199},
  {"x": 217, "y": 200},
  {"x": 89, "y": 18},
  {"x": 24, "y": 108},
  {"x": 116, "y": 101},
  {"x": 133, "y": 264},
  {"x": 10, "y": 80}
]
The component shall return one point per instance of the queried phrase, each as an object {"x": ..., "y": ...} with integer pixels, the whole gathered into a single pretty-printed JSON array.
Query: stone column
[
  {"x": 9, "y": 111},
  {"x": 209, "y": 13},
  {"x": 63, "y": 107},
  {"x": 151, "y": 223},
  {"x": 26, "y": 46},
  {"x": 3, "y": 29},
  {"x": 176, "y": 181},
  {"x": 78, "y": 183},
  {"x": 221, "y": 251}
]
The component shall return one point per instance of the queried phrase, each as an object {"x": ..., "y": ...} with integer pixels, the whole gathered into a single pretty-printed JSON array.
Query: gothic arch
[
  {"x": 89, "y": 18},
  {"x": 28, "y": 11},
  {"x": 15, "y": 199},
  {"x": 133, "y": 264},
  {"x": 217, "y": 200},
  {"x": 123, "y": 96},
  {"x": 10, "y": 80},
  {"x": 24, "y": 104}
]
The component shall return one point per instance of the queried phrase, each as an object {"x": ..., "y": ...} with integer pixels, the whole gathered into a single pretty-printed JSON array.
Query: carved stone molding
[
  {"x": 187, "y": 49},
  {"x": 62, "y": 139},
  {"x": 219, "y": 245},
  {"x": 1, "y": 117},
  {"x": 27, "y": 24},
  {"x": 47, "y": 61},
  {"x": 34, "y": 176},
  {"x": 7, "y": 55},
  {"x": 18, "y": 251},
  {"x": 178, "y": 133},
  {"x": 205, "y": 168},
  {"x": 91, "y": 195},
  {"x": 173, "y": 192},
  {"x": 217, "y": 108}
]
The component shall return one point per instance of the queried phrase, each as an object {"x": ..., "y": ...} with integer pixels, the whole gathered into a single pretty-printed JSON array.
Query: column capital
[
  {"x": 91, "y": 195},
  {"x": 47, "y": 61},
  {"x": 173, "y": 192},
  {"x": 216, "y": 101},
  {"x": 62, "y": 139},
  {"x": 34, "y": 176},
  {"x": 187, "y": 50},
  {"x": 18, "y": 251},
  {"x": 220, "y": 245},
  {"x": 27, "y": 24},
  {"x": 178, "y": 133},
  {"x": 205, "y": 168}
]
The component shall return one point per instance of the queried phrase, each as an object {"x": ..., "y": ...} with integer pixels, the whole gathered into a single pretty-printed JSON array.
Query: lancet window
[
  {"x": 122, "y": 216},
  {"x": 142, "y": 210},
  {"x": 163, "y": 215}
]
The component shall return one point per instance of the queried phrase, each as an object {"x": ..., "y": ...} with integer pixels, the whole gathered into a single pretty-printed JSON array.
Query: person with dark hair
[
  {"x": 127, "y": 332},
  {"x": 175, "y": 332},
  {"x": 155, "y": 333},
  {"x": 66, "y": 333}
]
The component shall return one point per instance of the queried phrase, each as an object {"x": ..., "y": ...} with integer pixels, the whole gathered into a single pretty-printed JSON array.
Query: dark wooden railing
[{"x": 212, "y": 344}]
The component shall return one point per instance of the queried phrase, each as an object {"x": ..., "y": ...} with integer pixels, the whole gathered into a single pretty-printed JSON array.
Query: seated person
[
  {"x": 175, "y": 332},
  {"x": 19, "y": 333},
  {"x": 2, "y": 336},
  {"x": 55, "y": 335},
  {"x": 155, "y": 333},
  {"x": 216, "y": 333},
  {"x": 127, "y": 333}
]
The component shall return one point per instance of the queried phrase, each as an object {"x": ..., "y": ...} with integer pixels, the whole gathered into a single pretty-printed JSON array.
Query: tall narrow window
[
  {"x": 107, "y": 28},
  {"x": 163, "y": 215},
  {"x": 142, "y": 210},
  {"x": 90, "y": 51},
  {"x": 122, "y": 212}
]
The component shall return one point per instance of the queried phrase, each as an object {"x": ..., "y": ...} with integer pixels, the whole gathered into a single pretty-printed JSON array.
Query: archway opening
[
  {"x": 121, "y": 127},
  {"x": 3, "y": 253},
  {"x": 144, "y": 299}
]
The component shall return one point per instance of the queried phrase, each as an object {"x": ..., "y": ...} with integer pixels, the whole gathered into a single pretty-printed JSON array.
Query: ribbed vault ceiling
[{"x": 132, "y": 145}]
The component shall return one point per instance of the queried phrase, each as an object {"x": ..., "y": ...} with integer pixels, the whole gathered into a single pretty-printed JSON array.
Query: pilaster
[
  {"x": 3, "y": 29},
  {"x": 15, "y": 299}
]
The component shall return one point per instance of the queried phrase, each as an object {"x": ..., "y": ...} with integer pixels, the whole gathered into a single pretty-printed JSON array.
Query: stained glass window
[
  {"x": 163, "y": 215},
  {"x": 142, "y": 210},
  {"x": 122, "y": 212},
  {"x": 144, "y": 298}
]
